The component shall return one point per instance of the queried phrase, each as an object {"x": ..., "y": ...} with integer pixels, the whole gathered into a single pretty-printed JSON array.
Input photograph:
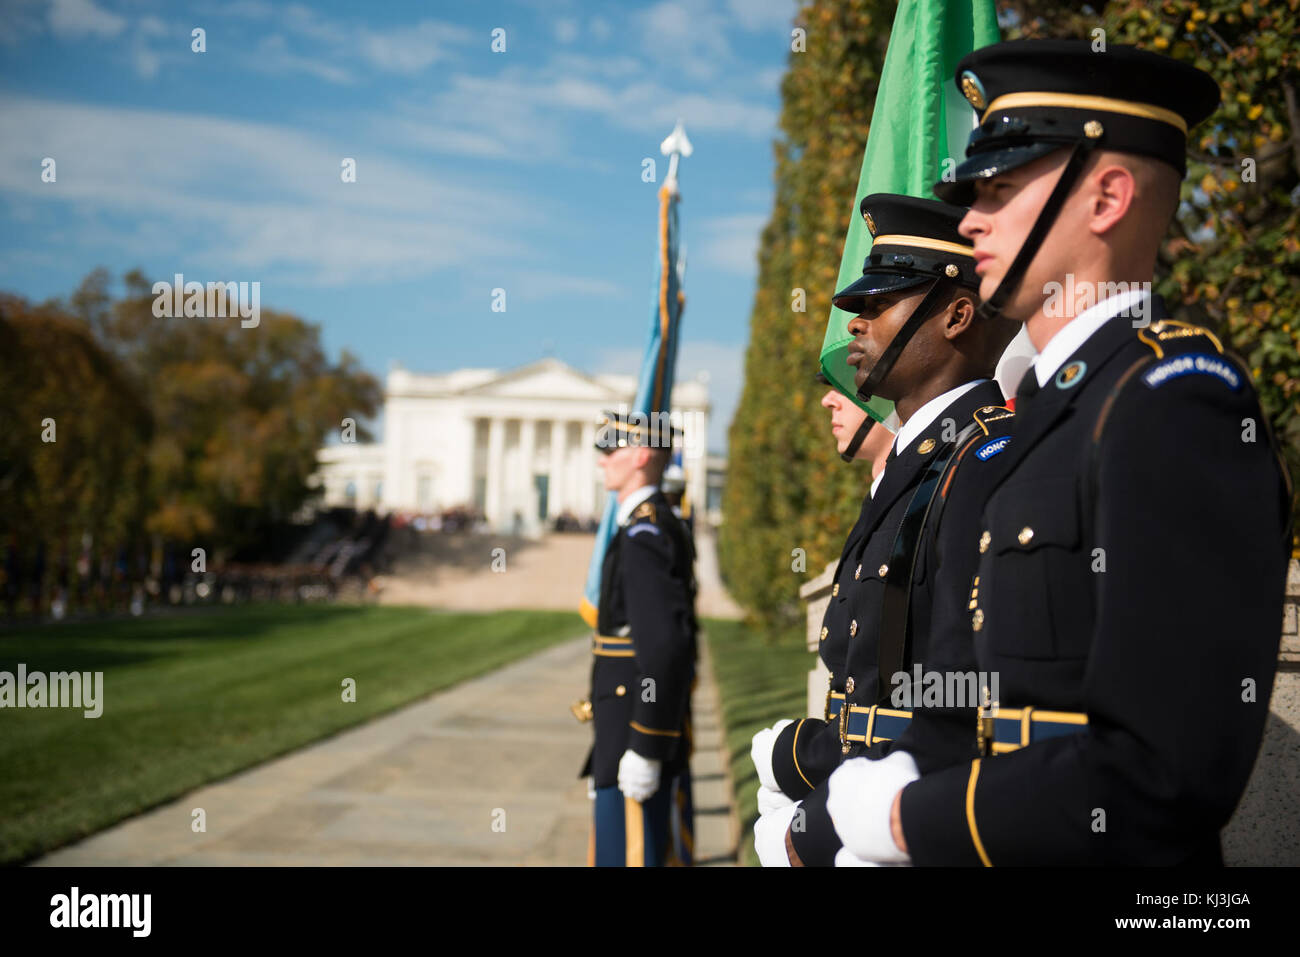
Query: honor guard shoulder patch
[
  {"x": 1167, "y": 335},
  {"x": 1192, "y": 363},
  {"x": 992, "y": 448},
  {"x": 643, "y": 519},
  {"x": 991, "y": 413}
]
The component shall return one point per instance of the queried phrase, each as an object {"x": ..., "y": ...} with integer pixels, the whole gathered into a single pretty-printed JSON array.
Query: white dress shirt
[
  {"x": 1071, "y": 337},
  {"x": 921, "y": 419},
  {"x": 634, "y": 498}
]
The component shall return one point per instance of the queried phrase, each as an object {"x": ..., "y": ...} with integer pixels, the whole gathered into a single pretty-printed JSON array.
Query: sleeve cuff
[
  {"x": 658, "y": 743},
  {"x": 794, "y": 780},
  {"x": 939, "y": 818},
  {"x": 814, "y": 837}
]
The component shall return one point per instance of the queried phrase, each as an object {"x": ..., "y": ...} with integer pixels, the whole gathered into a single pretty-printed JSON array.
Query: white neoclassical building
[{"x": 518, "y": 445}]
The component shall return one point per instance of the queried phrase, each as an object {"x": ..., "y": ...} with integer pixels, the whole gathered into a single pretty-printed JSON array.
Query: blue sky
[{"x": 475, "y": 170}]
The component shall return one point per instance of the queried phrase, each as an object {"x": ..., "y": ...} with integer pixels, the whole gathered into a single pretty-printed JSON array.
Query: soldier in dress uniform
[
  {"x": 1132, "y": 555},
  {"x": 858, "y": 437},
  {"x": 919, "y": 343},
  {"x": 644, "y": 659}
]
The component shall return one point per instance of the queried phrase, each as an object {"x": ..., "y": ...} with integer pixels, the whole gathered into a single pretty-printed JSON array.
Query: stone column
[
  {"x": 816, "y": 595},
  {"x": 558, "y": 494},
  {"x": 495, "y": 470},
  {"x": 527, "y": 502},
  {"x": 587, "y": 472}
]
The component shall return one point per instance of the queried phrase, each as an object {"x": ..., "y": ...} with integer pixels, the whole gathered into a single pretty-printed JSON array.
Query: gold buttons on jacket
[
  {"x": 825, "y": 631},
  {"x": 857, "y": 573},
  {"x": 835, "y": 589},
  {"x": 984, "y": 541},
  {"x": 977, "y": 619},
  {"x": 926, "y": 447},
  {"x": 882, "y": 571},
  {"x": 1026, "y": 534},
  {"x": 853, "y": 627},
  {"x": 620, "y": 690},
  {"x": 849, "y": 686}
]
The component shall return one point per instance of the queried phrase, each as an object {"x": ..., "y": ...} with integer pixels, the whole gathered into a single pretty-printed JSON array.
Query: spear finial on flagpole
[{"x": 674, "y": 147}]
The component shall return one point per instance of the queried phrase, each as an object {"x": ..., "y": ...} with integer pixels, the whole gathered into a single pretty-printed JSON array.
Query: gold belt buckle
[
  {"x": 984, "y": 724},
  {"x": 984, "y": 733}
]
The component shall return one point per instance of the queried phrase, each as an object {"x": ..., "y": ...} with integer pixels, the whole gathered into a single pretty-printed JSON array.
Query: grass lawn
[
  {"x": 191, "y": 698},
  {"x": 759, "y": 681}
]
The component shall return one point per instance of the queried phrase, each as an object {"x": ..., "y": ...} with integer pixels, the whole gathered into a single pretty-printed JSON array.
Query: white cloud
[
  {"x": 411, "y": 49},
  {"x": 77, "y": 18},
  {"x": 502, "y": 115},
  {"x": 252, "y": 9},
  {"x": 532, "y": 286},
  {"x": 731, "y": 242},
  {"x": 566, "y": 31},
  {"x": 769, "y": 80},
  {"x": 21, "y": 19},
  {"x": 151, "y": 27},
  {"x": 145, "y": 62},
  {"x": 762, "y": 14},
  {"x": 600, "y": 29},
  {"x": 273, "y": 56},
  {"x": 686, "y": 34},
  {"x": 262, "y": 198}
]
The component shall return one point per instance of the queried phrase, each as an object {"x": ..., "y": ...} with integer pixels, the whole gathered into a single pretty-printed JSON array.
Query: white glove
[
  {"x": 769, "y": 836},
  {"x": 769, "y": 801},
  {"x": 860, "y": 798},
  {"x": 638, "y": 777},
  {"x": 760, "y": 752},
  {"x": 591, "y": 788},
  {"x": 846, "y": 858}
]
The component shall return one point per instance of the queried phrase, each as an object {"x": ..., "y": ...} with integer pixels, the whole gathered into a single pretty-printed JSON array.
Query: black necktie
[{"x": 1028, "y": 387}]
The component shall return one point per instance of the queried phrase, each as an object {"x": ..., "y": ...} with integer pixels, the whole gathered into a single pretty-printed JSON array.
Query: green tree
[
  {"x": 787, "y": 489},
  {"x": 1232, "y": 257},
  {"x": 189, "y": 430},
  {"x": 70, "y": 452}
]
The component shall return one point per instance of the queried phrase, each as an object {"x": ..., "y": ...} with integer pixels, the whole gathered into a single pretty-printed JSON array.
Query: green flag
[{"x": 920, "y": 120}]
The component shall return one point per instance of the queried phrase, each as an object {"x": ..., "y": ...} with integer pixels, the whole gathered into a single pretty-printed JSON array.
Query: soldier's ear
[{"x": 960, "y": 315}]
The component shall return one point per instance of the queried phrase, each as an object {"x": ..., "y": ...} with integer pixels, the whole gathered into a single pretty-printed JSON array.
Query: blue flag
[{"x": 655, "y": 385}]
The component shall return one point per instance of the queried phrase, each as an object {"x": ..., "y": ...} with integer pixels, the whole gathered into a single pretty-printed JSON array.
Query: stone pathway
[
  {"x": 481, "y": 774},
  {"x": 454, "y": 572}
]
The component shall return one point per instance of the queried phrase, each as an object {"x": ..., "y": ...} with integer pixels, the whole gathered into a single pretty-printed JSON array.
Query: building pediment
[{"x": 547, "y": 379}]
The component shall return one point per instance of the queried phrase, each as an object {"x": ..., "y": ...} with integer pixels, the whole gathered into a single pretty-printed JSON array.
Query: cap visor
[
  {"x": 986, "y": 165},
  {"x": 853, "y": 297}
]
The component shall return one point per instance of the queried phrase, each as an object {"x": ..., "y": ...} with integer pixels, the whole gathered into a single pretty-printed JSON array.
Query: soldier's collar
[
  {"x": 923, "y": 418},
  {"x": 1071, "y": 337},
  {"x": 634, "y": 498}
]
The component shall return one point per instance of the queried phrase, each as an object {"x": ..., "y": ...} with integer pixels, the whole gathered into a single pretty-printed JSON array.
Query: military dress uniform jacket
[
  {"x": 940, "y": 733},
  {"x": 806, "y": 752},
  {"x": 1131, "y": 567},
  {"x": 640, "y": 688},
  {"x": 818, "y": 754}
]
